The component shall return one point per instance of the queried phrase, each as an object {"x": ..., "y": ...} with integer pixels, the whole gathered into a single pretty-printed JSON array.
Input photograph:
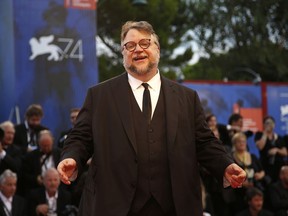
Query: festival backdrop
[
  {"x": 48, "y": 56},
  {"x": 54, "y": 57},
  {"x": 223, "y": 99},
  {"x": 7, "y": 72},
  {"x": 277, "y": 106}
]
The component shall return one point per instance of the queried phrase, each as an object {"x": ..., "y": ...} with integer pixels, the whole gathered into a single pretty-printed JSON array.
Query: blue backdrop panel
[
  {"x": 55, "y": 55},
  {"x": 221, "y": 99},
  {"x": 7, "y": 62},
  {"x": 277, "y": 106}
]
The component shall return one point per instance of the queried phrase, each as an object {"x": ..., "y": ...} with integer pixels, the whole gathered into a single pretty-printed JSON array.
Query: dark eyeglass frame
[{"x": 133, "y": 44}]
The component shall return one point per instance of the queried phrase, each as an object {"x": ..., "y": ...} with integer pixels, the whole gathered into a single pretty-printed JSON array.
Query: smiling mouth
[{"x": 139, "y": 58}]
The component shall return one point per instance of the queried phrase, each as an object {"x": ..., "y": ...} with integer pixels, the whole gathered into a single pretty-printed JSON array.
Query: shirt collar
[
  {"x": 154, "y": 83},
  {"x": 5, "y": 199},
  {"x": 55, "y": 196},
  {"x": 26, "y": 124}
]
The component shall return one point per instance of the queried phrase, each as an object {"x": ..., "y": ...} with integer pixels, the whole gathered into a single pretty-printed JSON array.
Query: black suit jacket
[
  {"x": 38, "y": 196},
  {"x": 105, "y": 129},
  {"x": 278, "y": 198},
  {"x": 19, "y": 207},
  {"x": 12, "y": 160},
  {"x": 32, "y": 166},
  {"x": 20, "y": 137},
  {"x": 62, "y": 138}
]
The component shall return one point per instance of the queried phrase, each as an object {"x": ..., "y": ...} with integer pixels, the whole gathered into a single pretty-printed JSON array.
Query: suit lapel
[
  {"x": 2, "y": 211},
  {"x": 172, "y": 108},
  {"x": 14, "y": 206},
  {"x": 121, "y": 95},
  {"x": 3, "y": 207}
]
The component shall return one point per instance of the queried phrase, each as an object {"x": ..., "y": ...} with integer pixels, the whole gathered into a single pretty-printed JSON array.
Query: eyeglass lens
[{"x": 131, "y": 46}]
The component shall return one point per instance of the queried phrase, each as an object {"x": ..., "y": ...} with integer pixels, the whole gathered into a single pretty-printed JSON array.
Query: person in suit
[
  {"x": 10, "y": 154},
  {"x": 144, "y": 159},
  {"x": 73, "y": 115},
  {"x": 278, "y": 193},
  {"x": 10, "y": 203},
  {"x": 36, "y": 162},
  {"x": 50, "y": 199},
  {"x": 26, "y": 133}
]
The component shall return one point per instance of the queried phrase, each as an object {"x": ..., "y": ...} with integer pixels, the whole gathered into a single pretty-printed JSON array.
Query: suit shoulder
[
  {"x": 112, "y": 81},
  {"x": 267, "y": 213},
  {"x": 20, "y": 126},
  {"x": 32, "y": 154},
  {"x": 19, "y": 199},
  {"x": 36, "y": 192},
  {"x": 13, "y": 148}
]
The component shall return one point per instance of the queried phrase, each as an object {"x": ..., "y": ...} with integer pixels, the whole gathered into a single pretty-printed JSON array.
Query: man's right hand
[
  {"x": 42, "y": 209},
  {"x": 67, "y": 169}
]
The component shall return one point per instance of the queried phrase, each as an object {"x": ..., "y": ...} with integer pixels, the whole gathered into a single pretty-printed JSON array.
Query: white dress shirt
[
  {"x": 52, "y": 204},
  {"x": 7, "y": 203},
  {"x": 138, "y": 89}
]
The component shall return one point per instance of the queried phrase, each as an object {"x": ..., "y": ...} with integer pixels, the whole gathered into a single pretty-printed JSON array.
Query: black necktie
[
  {"x": 43, "y": 159},
  {"x": 32, "y": 138},
  {"x": 146, "y": 107}
]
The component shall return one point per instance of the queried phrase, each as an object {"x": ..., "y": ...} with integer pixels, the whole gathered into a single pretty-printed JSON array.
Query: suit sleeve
[
  {"x": 79, "y": 143},
  {"x": 211, "y": 153}
]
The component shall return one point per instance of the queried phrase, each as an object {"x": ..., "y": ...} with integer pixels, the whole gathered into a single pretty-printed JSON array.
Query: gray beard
[{"x": 147, "y": 70}]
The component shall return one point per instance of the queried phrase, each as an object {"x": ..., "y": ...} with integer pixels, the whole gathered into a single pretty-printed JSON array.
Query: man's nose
[{"x": 138, "y": 48}]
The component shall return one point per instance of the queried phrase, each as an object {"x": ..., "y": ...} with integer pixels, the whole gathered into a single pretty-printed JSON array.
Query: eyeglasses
[{"x": 131, "y": 45}]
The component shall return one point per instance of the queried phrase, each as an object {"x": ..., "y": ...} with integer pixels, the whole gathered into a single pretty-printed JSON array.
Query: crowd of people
[
  {"x": 29, "y": 181},
  {"x": 149, "y": 151},
  {"x": 267, "y": 174},
  {"x": 29, "y": 155}
]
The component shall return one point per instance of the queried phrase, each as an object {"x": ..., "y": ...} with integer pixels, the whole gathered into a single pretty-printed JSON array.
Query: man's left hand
[{"x": 235, "y": 175}]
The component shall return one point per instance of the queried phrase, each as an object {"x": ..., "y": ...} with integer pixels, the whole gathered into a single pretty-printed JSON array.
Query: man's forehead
[{"x": 134, "y": 33}]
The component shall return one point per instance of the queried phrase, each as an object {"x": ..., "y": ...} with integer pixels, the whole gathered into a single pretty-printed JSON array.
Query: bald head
[
  {"x": 46, "y": 141},
  {"x": 51, "y": 181}
]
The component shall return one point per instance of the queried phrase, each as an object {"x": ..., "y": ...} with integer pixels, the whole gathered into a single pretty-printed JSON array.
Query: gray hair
[
  {"x": 6, "y": 124},
  {"x": 50, "y": 170},
  {"x": 6, "y": 174},
  {"x": 140, "y": 26}
]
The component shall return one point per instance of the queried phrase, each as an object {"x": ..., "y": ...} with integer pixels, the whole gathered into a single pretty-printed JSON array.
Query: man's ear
[
  {"x": 122, "y": 49},
  {"x": 158, "y": 52}
]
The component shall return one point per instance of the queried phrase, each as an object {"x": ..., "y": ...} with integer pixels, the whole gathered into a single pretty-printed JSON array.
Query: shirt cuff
[{"x": 2, "y": 154}]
